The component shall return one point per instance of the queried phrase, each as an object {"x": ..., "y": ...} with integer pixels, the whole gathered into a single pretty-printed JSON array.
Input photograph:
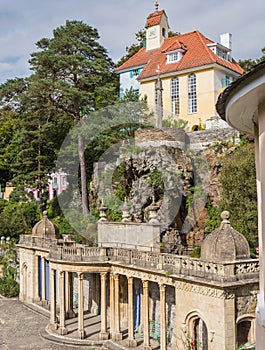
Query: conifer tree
[{"x": 74, "y": 72}]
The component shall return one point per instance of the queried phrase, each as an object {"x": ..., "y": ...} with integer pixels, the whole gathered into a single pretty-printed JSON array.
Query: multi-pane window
[
  {"x": 192, "y": 94},
  {"x": 175, "y": 96},
  {"x": 173, "y": 57}
]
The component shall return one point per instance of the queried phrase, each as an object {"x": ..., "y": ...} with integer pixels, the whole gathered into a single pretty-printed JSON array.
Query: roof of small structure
[
  {"x": 238, "y": 103},
  {"x": 154, "y": 18},
  {"x": 196, "y": 54},
  {"x": 225, "y": 244},
  {"x": 46, "y": 228}
]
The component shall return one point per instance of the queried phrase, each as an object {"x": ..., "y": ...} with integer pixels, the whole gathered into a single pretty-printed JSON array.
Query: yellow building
[{"x": 193, "y": 70}]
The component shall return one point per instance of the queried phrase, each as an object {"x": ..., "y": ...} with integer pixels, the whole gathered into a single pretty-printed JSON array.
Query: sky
[{"x": 24, "y": 22}]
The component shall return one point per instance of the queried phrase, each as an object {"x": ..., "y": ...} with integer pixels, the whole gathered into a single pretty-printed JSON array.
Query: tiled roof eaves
[
  {"x": 178, "y": 72},
  {"x": 128, "y": 69}
]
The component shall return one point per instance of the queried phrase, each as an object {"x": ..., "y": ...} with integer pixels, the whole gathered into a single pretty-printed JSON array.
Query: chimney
[{"x": 226, "y": 40}]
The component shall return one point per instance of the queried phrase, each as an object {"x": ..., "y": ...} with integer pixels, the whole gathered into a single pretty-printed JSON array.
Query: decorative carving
[{"x": 198, "y": 289}]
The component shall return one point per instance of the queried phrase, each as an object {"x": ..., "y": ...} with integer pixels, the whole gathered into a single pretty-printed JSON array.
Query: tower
[{"x": 156, "y": 28}]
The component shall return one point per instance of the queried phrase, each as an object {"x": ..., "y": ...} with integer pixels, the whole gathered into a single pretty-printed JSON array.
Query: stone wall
[{"x": 145, "y": 236}]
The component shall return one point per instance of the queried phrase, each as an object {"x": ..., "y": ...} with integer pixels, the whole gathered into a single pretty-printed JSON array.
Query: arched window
[
  {"x": 197, "y": 333},
  {"x": 175, "y": 96},
  {"x": 246, "y": 331},
  {"x": 164, "y": 32},
  {"x": 192, "y": 94}
]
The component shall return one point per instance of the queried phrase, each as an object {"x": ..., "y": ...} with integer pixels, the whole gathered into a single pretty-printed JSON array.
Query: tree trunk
[{"x": 84, "y": 194}]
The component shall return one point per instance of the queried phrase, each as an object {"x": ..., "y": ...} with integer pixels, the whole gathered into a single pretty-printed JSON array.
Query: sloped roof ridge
[{"x": 208, "y": 50}]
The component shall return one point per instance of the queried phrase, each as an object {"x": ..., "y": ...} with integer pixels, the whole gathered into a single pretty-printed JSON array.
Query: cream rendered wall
[
  {"x": 214, "y": 310},
  {"x": 28, "y": 284},
  {"x": 206, "y": 96}
]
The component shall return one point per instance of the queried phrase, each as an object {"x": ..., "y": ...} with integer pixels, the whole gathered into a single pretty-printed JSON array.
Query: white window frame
[
  {"x": 175, "y": 103},
  {"x": 173, "y": 56},
  {"x": 192, "y": 94}
]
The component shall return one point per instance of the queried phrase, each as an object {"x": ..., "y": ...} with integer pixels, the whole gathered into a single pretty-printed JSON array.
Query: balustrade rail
[{"x": 170, "y": 264}]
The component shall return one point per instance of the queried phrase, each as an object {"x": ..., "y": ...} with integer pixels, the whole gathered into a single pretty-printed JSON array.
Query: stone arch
[
  {"x": 197, "y": 331},
  {"x": 245, "y": 329},
  {"x": 24, "y": 282}
]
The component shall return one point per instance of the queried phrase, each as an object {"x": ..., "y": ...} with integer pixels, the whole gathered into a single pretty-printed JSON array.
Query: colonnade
[{"x": 110, "y": 307}]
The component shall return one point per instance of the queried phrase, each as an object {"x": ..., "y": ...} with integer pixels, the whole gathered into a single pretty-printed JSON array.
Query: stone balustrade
[
  {"x": 35, "y": 241},
  {"x": 169, "y": 263},
  {"x": 178, "y": 265}
]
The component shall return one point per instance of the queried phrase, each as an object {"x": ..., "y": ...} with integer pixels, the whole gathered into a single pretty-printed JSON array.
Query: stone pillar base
[
  {"x": 81, "y": 334},
  {"x": 63, "y": 330},
  {"x": 147, "y": 347},
  {"x": 53, "y": 326},
  {"x": 104, "y": 335},
  {"x": 132, "y": 343},
  {"x": 116, "y": 336},
  {"x": 70, "y": 314}
]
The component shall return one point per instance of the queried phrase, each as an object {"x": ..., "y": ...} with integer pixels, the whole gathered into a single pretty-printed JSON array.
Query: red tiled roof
[
  {"x": 197, "y": 54},
  {"x": 154, "y": 18}
]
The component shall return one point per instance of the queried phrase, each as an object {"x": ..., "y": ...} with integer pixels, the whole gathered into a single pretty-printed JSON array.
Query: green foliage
[
  {"x": 214, "y": 219},
  {"x": 18, "y": 218},
  {"x": 177, "y": 123},
  {"x": 196, "y": 253},
  {"x": 249, "y": 63},
  {"x": 8, "y": 284},
  {"x": 239, "y": 193}
]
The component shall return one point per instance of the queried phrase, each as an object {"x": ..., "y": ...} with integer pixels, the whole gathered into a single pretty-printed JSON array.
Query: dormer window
[
  {"x": 174, "y": 56},
  {"x": 135, "y": 73},
  {"x": 221, "y": 51}
]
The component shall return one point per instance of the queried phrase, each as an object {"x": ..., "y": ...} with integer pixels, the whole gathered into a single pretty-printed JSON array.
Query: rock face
[{"x": 170, "y": 168}]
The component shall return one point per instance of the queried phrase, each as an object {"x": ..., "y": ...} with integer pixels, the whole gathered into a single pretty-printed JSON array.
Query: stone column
[
  {"x": 260, "y": 171},
  {"x": 112, "y": 305},
  {"x": 103, "y": 333},
  {"x": 81, "y": 330},
  {"x": 131, "y": 340},
  {"x": 163, "y": 325},
  {"x": 118, "y": 335},
  {"x": 147, "y": 345},
  {"x": 69, "y": 295},
  {"x": 62, "y": 327},
  {"x": 53, "y": 317},
  {"x": 43, "y": 279}
]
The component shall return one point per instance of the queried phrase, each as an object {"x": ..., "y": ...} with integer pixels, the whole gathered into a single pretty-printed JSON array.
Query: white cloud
[{"x": 23, "y": 23}]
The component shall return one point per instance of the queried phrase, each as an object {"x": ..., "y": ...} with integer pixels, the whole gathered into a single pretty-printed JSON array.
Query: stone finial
[
  {"x": 153, "y": 209},
  {"x": 126, "y": 216},
  {"x": 156, "y": 6},
  {"x": 225, "y": 216},
  {"x": 103, "y": 212}
]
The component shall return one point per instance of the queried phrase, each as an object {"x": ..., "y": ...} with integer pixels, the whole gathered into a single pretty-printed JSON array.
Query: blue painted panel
[
  {"x": 39, "y": 277},
  {"x": 47, "y": 280},
  {"x": 137, "y": 307}
]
